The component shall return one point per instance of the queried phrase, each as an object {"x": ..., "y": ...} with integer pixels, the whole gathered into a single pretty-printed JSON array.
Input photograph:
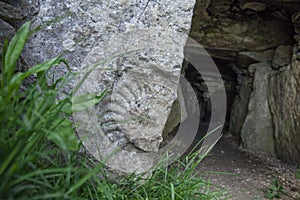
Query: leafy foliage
[
  {"x": 29, "y": 117},
  {"x": 275, "y": 190}
]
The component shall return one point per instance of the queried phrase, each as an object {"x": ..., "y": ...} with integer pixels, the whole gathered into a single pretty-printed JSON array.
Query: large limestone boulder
[{"x": 142, "y": 81}]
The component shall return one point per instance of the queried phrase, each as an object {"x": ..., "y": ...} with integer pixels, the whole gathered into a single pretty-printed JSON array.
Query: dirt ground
[{"x": 247, "y": 177}]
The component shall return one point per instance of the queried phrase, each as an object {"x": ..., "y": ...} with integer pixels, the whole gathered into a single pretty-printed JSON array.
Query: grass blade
[
  {"x": 83, "y": 102},
  {"x": 15, "y": 49}
]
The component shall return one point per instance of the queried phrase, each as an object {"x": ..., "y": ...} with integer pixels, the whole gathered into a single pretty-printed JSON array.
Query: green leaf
[
  {"x": 15, "y": 49},
  {"x": 172, "y": 191},
  {"x": 14, "y": 83},
  {"x": 64, "y": 137},
  {"x": 16, "y": 80},
  {"x": 44, "y": 66},
  {"x": 269, "y": 194},
  {"x": 83, "y": 102},
  {"x": 4, "y": 50}
]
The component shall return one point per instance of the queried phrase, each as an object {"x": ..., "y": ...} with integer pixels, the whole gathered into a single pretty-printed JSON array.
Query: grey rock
[
  {"x": 282, "y": 57},
  {"x": 223, "y": 54},
  {"x": 26, "y": 9},
  {"x": 227, "y": 31},
  {"x": 296, "y": 18},
  {"x": 144, "y": 92},
  {"x": 252, "y": 69},
  {"x": 257, "y": 133},
  {"x": 246, "y": 58},
  {"x": 240, "y": 105},
  {"x": 142, "y": 81},
  {"x": 10, "y": 13},
  {"x": 177, "y": 115},
  {"x": 255, "y": 6},
  {"x": 296, "y": 21},
  {"x": 297, "y": 44},
  {"x": 284, "y": 103},
  {"x": 297, "y": 38},
  {"x": 7, "y": 31}
]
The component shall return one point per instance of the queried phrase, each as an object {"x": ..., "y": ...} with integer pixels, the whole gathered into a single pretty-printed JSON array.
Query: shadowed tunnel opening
[{"x": 229, "y": 77}]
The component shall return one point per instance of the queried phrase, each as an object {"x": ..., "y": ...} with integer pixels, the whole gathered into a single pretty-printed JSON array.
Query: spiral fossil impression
[
  {"x": 143, "y": 86},
  {"x": 133, "y": 112}
]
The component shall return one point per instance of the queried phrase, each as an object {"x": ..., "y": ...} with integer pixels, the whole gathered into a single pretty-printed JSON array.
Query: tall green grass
[
  {"x": 39, "y": 151},
  {"x": 29, "y": 117}
]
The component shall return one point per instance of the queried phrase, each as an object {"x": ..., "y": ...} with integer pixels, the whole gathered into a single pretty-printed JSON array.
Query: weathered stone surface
[
  {"x": 23, "y": 9},
  {"x": 142, "y": 84},
  {"x": 240, "y": 105},
  {"x": 296, "y": 22},
  {"x": 6, "y": 32},
  {"x": 255, "y": 6},
  {"x": 257, "y": 132},
  {"x": 178, "y": 114},
  {"x": 143, "y": 94},
  {"x": 10, "y": 13},
  {"x": 296, "y": 18},
  {"x": 232, "y": 31},
  {"x": 246, "y": 58},
  {"x": 297, "y": 38},
  {"x": 284, "y": 96},
  {"x": 282, "y": 57}
]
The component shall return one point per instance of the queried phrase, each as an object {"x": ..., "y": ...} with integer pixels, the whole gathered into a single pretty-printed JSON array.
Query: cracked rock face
[
  {"x": 142, "y": 82},
  {"x": 284, "y": 95},
  {"x": 257, "y": 131},
  {"x": 143, "y": 87}
]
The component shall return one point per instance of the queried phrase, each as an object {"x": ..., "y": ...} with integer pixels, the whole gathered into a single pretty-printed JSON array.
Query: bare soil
[{"x": 245, "y": 176}]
